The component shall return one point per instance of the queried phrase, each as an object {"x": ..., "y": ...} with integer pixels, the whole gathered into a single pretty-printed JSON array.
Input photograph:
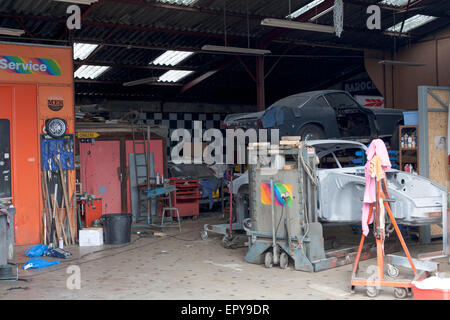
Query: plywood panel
[
  {"x": 442, "y": 95},
  {"x": 438, "y": 162},
  {"x": 438, "y": 127}
]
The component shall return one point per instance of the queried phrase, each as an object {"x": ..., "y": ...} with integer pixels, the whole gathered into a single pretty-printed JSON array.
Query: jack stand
[{"x": 401, "y": 287}]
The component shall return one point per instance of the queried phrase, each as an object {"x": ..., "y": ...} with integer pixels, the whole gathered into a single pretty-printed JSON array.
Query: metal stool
[{"x": 170, "y": 208}]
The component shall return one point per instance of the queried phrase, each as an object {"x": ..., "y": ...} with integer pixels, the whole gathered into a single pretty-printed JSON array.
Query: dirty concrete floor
[{"x": 183, "y": 266}]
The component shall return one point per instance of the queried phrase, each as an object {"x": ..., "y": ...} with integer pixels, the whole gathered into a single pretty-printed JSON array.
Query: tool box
[{"x": 186, "y": 197}]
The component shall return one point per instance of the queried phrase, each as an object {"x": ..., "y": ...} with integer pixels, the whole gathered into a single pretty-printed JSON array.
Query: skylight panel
[
  {"x": 304, "y": 9},
  {"x": 174, "y": 75},
  {"x": 179, "y": 2},
  {"x": 89, "y": 71},
  {"x": 396, "y": 3},
  {"x": 83, "y": 50},
  {"x": 411, "y": 23},
  {"x": 171, "y": 58}
]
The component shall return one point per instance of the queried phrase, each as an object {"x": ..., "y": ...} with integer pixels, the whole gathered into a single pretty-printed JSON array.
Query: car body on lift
[
  {"x": 416, "y": 199},
  {"x": 322, "y": 114}
]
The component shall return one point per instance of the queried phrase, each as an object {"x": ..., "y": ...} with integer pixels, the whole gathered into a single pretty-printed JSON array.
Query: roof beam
[
  {"x": 206, "y": 75},
  {"x": 126, "y": 26},
  {"x": 188, "y": 9}
]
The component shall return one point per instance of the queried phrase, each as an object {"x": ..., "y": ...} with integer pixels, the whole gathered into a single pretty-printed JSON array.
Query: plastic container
[
  {"x": 437, "y": 289},
  {"x": 117, "y": 228},
  {"x": 411, "y": 118},
  {"x": 430, "y": 294}
]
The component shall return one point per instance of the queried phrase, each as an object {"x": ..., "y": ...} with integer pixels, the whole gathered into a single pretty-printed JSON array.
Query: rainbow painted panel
[
  {"x": 22, "y": 65},
  {"x": 279, "y": 189}
]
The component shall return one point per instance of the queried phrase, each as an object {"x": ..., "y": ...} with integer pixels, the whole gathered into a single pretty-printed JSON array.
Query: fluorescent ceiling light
[
  {"x": 179, "y": 2},
  {"x": 89, "y": 71},
  {"x": 396, "y": 3},
  {"x": 174, "y": 75},
  {"x": 11, "y": 32},
  {"x": 411, "y": 23},
  {"x": 304, "y": 9},
  {"x": 83, "y": 50},
  {"x": 401, "y": 63},
  {"x": 324, "y": 12},
  {"x": 171, "y": 57},
  {"x": 140, "y": 81},
  {"x": 78, "y": 1},
  {"x": 279, "y": 23},
  {"x": 235, "y": 50}
]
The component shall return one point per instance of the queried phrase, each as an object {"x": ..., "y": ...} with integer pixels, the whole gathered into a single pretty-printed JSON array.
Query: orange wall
[
  {"x": 24, "y": 100},
  {"x": 399, "y": 84}
]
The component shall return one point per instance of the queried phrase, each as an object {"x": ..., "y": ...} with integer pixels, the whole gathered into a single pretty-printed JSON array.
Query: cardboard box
[{"x": 91, "y": 237}]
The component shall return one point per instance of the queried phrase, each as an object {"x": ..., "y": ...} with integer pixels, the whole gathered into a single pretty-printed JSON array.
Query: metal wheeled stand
[
  {"x": 8, "y": 270},
  {"x": 402, "y": 287},
  {"x": 226, "y": 229}
]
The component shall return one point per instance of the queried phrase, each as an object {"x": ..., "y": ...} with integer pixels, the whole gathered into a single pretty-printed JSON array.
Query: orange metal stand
[{"x": 402, "y": 287}]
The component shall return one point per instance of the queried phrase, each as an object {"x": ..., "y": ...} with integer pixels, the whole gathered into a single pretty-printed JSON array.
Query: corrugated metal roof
[{"x": 134, "y": 32}]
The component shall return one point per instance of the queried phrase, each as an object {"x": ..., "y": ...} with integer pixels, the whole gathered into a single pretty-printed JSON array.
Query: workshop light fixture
[
  {"x": 179, "y": 2},
  {"x": 226, "y": 49},
  {"x": 304, "y": 9},
  {"x": 411, "y": 23},
  {"x": 401, "y": 63},
  {"x": 171, "y": 57},
  {"x": 87, "y": 2},
  {"x": 82, "y": 50},
  {"x": 279, "y": 23},
  {"x": 395, "y": 3},
  {"x": 11, "y": 32},
  {"x": 174, "y": 75},
  {"x": 89, "y": 71}
]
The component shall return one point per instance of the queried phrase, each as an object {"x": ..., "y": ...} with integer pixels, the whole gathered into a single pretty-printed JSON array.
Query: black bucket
[{"x": 117, "y": 228}]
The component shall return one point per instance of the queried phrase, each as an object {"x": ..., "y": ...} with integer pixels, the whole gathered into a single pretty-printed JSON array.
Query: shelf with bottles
[
  {"x": 408, "y": 138},
  {"x": 409, "y": 149}
]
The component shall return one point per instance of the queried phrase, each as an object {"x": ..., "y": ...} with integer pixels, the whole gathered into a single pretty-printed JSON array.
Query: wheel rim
[
  {"x": 400, "y": 293},
  {"x": 372, "y": 292}
]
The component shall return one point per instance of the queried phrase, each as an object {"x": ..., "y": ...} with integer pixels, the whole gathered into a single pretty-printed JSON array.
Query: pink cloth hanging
[{"x": 376, "y": 147}]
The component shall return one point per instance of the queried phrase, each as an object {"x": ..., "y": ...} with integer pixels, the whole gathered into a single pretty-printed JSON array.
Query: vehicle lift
[{"x": 300, "y": 238}]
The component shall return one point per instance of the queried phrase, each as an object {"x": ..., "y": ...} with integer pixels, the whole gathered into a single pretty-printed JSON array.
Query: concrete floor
[{"x": 182, "y": 266}]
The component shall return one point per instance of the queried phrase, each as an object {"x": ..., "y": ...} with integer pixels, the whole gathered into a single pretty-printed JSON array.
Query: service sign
[
  {"x": 25, "y": 65},
  {"x": 88, "y": 135}
]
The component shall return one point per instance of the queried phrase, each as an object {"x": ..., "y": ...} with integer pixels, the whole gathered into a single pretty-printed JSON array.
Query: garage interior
[{"x": 109, "y": 110}]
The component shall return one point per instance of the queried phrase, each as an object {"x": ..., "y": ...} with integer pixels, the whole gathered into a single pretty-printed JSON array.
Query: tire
[
  {"x": 268, "y": 259},
  {"x": 372, "y": 292},
  {"x": 56, "y": 127},
  {"x": 284, "y": 260},
  {"x": 311, "y": 132},
  {"x": 204, "y": 235},
  {"x": 393, "y": 271},
  {"x": 400, "y": 293}
]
